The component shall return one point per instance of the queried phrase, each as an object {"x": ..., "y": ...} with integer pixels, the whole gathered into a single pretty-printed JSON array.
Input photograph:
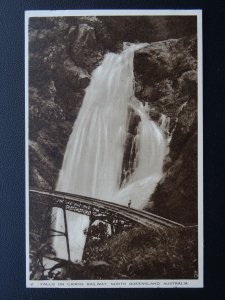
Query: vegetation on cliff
[{"x": 139, "y": 253}]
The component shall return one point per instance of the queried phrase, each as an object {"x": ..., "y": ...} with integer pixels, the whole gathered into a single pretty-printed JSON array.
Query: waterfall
[{"x": 93, "y": 161}]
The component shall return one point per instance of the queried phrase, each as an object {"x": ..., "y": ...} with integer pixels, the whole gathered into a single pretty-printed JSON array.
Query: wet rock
[{"x": 176, "y": 194}]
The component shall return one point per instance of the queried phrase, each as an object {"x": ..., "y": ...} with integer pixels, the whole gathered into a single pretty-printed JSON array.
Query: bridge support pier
[{"x": 66, "y": 234}]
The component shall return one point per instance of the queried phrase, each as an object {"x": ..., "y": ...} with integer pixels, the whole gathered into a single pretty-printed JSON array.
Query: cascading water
[
  {"x": 151, "y": 148},
  {"x": 94, "y": 155}
]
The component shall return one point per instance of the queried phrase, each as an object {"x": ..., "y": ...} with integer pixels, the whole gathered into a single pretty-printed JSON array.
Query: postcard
[{"x": 114, "y": 149}]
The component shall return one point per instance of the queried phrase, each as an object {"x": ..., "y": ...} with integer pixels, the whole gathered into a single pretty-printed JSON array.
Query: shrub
[{"x": 146, "y": 253}]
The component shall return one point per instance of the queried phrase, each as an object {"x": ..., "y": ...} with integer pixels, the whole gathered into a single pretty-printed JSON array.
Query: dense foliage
[
  {"x": 139, "y": 253},
  {"x": 152, "y": 254}
]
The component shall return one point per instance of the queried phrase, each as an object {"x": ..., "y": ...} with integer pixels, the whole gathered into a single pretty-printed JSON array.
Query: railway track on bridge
[{"x": 70, "y": 200}]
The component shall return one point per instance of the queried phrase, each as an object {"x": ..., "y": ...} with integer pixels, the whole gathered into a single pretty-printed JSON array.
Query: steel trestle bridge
[{"x": 118, "y": 216}]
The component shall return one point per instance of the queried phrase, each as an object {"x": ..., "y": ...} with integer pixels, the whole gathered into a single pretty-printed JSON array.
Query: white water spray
[{"x": 94, "y": 155}]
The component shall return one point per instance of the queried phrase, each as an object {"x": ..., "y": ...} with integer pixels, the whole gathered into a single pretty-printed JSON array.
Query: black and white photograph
[{"x": 114, "y": 187}]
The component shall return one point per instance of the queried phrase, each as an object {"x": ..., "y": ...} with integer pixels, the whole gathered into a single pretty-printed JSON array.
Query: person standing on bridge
[{"x": 129, "y": 204}]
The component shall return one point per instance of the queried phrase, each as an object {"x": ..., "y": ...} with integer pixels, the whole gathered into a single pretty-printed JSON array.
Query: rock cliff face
[
  {"x": 62, "y": 54},
  {"x": 166, "y": 78}
]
